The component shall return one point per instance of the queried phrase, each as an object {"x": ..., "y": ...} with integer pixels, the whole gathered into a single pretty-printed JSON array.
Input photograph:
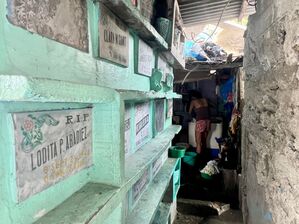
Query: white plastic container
[
  {"x": 191, "y": 131},
  {"x": 215, "y": 132}
]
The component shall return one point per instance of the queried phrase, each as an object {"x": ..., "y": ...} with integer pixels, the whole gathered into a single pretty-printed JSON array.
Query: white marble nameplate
[{"x": 50, "y": 146}]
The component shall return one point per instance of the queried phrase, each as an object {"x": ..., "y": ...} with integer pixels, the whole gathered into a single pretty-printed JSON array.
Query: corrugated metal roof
[{"x": 209, "y": 11}]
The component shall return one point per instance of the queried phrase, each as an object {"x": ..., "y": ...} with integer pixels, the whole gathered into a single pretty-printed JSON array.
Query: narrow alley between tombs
[{"x": 149, "y": 112}]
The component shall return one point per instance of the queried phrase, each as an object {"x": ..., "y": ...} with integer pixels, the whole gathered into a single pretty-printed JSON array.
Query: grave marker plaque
[
  {"x": 127, "y": 129},
  {"x": 169, "y": 108},
  {"x": 140, "y": 185},
  {"x": 114, "y": 38},
  {"x": 50, "y": 146},
  {"x": 159, "y": 115},
  {"x": 156, "y": 166},
  {"x": 145, "y": 59},
  {"x": 164, "y": 67},
  {"x": 142, "y": 123}
]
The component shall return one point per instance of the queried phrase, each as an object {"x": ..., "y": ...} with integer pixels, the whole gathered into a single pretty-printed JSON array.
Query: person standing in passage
[{"x": 201, "y": 109}]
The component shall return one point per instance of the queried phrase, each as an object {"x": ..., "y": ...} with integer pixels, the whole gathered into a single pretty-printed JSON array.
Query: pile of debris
[
  {"x": 202, "y": 48},
  {"x": 207, "y": 51}
]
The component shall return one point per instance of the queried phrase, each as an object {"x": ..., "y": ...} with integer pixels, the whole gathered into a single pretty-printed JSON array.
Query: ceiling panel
[{"x": 209, "y": 11}]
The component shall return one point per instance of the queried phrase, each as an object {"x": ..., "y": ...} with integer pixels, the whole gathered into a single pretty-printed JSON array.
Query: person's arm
[{"x": 191, "y": 107}]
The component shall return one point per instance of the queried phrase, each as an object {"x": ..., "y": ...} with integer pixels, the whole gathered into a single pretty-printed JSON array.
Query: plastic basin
[
  {"x": 176, "y": 151},
  {"x": 206, "y": 176},
  {"x": 190, "y": 158}
]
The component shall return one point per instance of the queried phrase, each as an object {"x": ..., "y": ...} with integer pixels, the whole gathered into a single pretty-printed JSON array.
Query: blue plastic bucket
[{"x": 214, "y": 153}]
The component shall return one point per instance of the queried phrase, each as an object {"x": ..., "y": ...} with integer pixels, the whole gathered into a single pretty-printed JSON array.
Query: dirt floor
[
  {"x": 195, "y": 213},
  {"x": 188, "y": 219}
]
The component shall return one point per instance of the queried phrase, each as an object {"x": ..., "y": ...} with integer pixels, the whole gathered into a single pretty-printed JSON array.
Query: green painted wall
[
  {"x": 116, "y": 216},
  {"x": 31, "y": 55},
  {"x": 24, "y": 53}
]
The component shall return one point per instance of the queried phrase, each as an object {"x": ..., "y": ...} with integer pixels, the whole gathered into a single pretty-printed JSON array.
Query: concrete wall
[{"x": 271, "y": 114}]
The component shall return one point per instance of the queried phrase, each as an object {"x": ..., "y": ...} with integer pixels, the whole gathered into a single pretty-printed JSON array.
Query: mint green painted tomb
[{"x": 39, "y": 73}]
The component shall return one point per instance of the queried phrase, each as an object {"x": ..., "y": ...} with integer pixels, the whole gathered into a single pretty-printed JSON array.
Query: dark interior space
[{"x": 221, "y": 90}]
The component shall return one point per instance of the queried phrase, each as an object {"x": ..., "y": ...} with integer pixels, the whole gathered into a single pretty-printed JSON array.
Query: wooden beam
[{"x": 204, "y": 66}]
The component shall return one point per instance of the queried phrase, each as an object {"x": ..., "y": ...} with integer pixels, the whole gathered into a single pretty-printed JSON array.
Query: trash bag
[
  {"x": 214, "y": 51},
  {"x": 203, "y": 51},
  {"x": 198, "y": 53},
  {"x": 193, "y": 49}
]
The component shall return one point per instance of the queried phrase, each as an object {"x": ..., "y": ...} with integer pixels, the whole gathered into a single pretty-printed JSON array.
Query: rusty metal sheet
[{"x": 50, "y": 146}]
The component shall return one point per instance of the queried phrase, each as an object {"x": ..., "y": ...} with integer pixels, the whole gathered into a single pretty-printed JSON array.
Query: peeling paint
[{"x": 62, "y": 20}]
